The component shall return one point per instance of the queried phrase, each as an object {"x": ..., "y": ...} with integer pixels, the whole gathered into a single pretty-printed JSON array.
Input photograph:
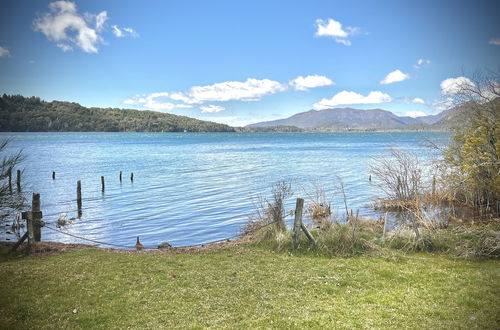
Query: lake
[{"x": 192, "y": 188}]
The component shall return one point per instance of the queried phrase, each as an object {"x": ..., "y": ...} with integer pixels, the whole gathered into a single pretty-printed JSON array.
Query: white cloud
[
  {"x": 452, "y": 86},
  {"x": 495, "y": 42},
  {"x": 117, "y": 32},
  {"x": 4, "y": 52},
  {"x": 249, "y": 90},
  {"x": 124, "y": 32},
  {"x": 394, "y": 76},
  {"x": 417, "y": 100},
  {"x": 65, "y": 25},
  {"x": 346, "y": 97},
  {"x": 421, "y": 62},
  {"x": 333, "y": 28},
  {"x": 211, "y": 108},
  {"x": 415, "y": 114},
  {"x": 305, "y": 83},
  {"x": 65, "y": 47}
]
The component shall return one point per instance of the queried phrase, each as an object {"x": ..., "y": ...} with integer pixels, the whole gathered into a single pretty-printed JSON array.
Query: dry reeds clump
[
  {"x": 319, "y": 211},
  {"x": 338, "y": 240}
]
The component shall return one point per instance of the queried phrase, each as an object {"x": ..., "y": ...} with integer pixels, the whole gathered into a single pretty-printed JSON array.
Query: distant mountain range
[{"x": 355, "y": 119}]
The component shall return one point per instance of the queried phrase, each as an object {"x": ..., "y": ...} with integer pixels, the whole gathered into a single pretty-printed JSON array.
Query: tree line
[{"x": 31, "y": 114}]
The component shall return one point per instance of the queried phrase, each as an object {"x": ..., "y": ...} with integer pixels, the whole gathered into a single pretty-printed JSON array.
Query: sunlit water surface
[{"x": 191, "y": 188}]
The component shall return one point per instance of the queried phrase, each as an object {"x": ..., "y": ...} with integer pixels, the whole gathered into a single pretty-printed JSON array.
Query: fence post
[
  {"x": 297, "y": 224},
  {"x": 433, "y": 185},
  {"x": 102, "y": 183},
  {"x": 18, "y": 180},
  {"x": 36, "y": 217},
  {"x": 79, "y": 197},
  {"x": 120, "y": 176},
  {"x": 9, "y": 173}
]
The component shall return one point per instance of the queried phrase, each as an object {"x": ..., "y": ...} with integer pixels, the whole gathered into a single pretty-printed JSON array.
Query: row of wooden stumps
[
  {"x": 18, "y": 180},
  {"x": 298, "y": 226},
  {"x": 34, "y": 225}
]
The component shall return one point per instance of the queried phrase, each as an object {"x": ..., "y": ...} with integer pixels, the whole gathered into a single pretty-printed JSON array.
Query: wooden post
[
  {"x": 79, "y": 197},
  {"x": 31, "y": 234},
  {"x": 297, "y": 224},
  {"x": 18, "y": 181},
  {"x": 370, "y": 178},
  {"x": 10, "y": 180},
  {"x": 120, "y": 176},
  {"x": 308, "y": 234},
  {"x": 53, "y": 175},
  {"x": 132, "y": 177},
  {"x": 102, "y": 183},
  {"x": 36, "y": 218},
  {"x": 433, "y": 185},
  {"x": 385, "y": 226}
]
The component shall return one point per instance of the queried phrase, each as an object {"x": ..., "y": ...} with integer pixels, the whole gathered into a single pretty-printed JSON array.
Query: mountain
[
  {"x": 22, "y": 114},
  {"x": 349, "y": 118}
]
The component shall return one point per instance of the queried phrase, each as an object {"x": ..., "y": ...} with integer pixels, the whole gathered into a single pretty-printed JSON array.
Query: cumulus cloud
[
  {"x": 421, "y": 62},
  {"x": 415, "y": 114},
  {"x": 65, "y": 26},
  {"x": 153, "y": 101},
  {"x": 211, "y": 108},
  {"x": 417, "y": 100},
  {"x": 495, "y": 41},
  {"x": 349, "y": 97},
  {"x": 332, "y": 28},
  {"x": 68, "y": 28},
  {"x": 249, "y": 90},
  {"x": 4, "y": 52},
  {"x": 452, "y": 86},
  {"x": 124, "y": 32},
  {"x": 305, "y": 83},
  {"x": 394, "y": 76}
]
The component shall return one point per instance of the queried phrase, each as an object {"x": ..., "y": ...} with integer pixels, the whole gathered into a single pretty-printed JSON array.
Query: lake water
[{"x": 191, "y": 188}]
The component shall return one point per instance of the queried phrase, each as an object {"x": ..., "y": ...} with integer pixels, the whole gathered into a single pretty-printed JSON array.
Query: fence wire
[{"x": 227, "y": 239}]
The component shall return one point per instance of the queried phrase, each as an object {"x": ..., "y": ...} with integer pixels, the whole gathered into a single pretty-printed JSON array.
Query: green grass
[{"x": 247, "y": 287}]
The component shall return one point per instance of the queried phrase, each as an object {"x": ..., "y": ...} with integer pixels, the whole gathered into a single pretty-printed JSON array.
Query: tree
[{"x": 472, "y": 157}]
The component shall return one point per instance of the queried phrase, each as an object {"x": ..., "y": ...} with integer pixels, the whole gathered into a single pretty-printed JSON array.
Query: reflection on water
[{"x": 190, "y": 188}]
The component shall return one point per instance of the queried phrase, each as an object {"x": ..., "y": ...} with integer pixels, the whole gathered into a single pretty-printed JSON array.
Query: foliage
[
  {"x": 472, "y": 161},
  {"x": 11, "y": 200},
  {"x": 21, "y": 114}
]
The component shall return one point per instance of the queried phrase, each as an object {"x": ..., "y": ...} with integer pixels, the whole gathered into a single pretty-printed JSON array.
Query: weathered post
[
  {"x": 102, "y": 183},
  {"x": 433, "y": 185},
  {"x": 36, "y": 217},
  {"x": 18, "y": 180},
  {"x": 120, "y": 176},
  {"x": 79, "y": 197},
  {"x": 297, "y": 224},
  {"x": 132, "y": 177},
  {"x": 10, "y": 180}
]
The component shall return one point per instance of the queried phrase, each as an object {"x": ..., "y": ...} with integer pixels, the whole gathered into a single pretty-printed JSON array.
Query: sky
[{"x": 240, "y": 62}]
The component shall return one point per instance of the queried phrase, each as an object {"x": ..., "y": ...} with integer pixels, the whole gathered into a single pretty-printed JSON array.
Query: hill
[
  {"x": 355, "y": 119},
  {"x": 22, "y": 114}
]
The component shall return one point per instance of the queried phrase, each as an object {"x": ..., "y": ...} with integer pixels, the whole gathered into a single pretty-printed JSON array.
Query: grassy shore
[{"x": 247, "y": 287}]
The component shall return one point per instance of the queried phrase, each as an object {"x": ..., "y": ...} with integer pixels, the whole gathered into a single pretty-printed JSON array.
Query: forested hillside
[{"x": 22, "y": 114}]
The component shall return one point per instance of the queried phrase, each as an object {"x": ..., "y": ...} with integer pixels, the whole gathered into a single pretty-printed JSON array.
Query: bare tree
[{"x": 399, "y": 175}]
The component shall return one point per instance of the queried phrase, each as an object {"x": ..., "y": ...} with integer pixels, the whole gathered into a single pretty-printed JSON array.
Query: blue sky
[{"x": 239, "y": 62}]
